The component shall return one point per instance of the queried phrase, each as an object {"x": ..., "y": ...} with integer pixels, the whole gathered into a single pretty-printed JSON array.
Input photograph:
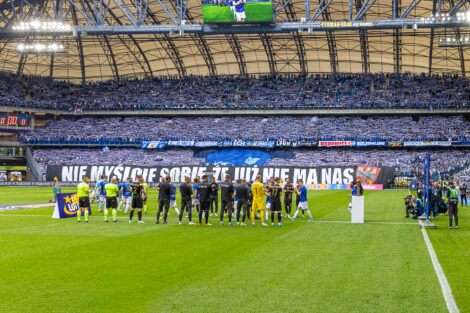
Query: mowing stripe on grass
[{"x": 446, "y": 290}]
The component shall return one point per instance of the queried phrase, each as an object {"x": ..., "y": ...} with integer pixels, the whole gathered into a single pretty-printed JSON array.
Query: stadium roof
[{"x": 102, "y": 57}]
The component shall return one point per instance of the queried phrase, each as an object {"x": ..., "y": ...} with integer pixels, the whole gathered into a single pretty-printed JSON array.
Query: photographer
[
  {"x": 408, "y": 206},
  {"x": 417, "y": 207}
]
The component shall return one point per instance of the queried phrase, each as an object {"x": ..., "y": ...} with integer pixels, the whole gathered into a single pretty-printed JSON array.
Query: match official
[
  {"x": 83, "y": 191},
  {"x": 111, "y": 202}
]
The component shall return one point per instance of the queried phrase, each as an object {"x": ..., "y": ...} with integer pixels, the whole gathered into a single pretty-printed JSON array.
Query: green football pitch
[
  {"x": 255, "y": 12},
  {"x": 329, "y": 265}
]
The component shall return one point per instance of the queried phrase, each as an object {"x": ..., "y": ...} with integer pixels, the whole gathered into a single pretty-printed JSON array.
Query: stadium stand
[
  {"x": 133, "y": 130},
  {"x": 229, "y": 92}
]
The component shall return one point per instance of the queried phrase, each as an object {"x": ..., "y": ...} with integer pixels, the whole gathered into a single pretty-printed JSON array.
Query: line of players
[{"x": 237, "y": 198}]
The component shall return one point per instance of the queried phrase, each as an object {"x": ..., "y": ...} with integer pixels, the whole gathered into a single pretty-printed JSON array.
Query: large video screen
[{"x": 237, "y": 11}]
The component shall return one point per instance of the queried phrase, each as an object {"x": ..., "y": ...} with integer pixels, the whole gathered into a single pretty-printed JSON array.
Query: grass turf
[
  {"x": 63, "y": 266},
  {"x": 255, "y": 12}
]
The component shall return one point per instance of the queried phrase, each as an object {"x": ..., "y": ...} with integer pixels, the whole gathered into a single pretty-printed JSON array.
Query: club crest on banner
[
  {"x": 367, "y": 174},
  {"x": 67, "y": 206}
]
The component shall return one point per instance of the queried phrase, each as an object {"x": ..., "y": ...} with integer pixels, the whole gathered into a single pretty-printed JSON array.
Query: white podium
[{"x": 357, "y": 210}]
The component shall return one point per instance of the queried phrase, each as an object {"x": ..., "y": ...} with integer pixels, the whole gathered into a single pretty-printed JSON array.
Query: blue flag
[{"x": 67, "y": 206}]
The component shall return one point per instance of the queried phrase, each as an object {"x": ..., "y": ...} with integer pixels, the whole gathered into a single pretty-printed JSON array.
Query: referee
[{"x": 83, "y": 191}]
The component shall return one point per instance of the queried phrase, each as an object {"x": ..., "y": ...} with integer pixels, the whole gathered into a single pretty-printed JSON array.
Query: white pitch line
[{"x": 446, "y": 290}]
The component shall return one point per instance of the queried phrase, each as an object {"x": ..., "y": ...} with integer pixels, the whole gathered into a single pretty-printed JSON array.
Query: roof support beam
[
  {"x": 79, "y": 46},
  {"x": 238, "y": 52},
  {"x": 200, "y": 41},
  {"x": 298, "y": 39},
  {"x": 330, "y": 37},
  {"x": 363, "y": 39},
  {"x": 460, "y": 48},
  {"x": 397, "y": 55},
  {"x": 149, "y": 71},
  {"x": 270, "y": 54},
  {"x": 431, "y": 39},
  {"x": 171, "y": 50}
]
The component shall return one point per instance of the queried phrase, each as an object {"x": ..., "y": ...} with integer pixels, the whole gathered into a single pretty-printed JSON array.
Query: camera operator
[
  {"x": 408, "y": 206},
  {"x": 435, "y": 196}
]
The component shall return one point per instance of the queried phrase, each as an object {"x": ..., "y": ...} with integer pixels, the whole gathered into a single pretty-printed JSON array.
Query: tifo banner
[
  {"x": 238, "y": 157},
  {"x": 67, "y": 206},
  {"x": 344, "y": 143},
  {"x": 310, "y": 175},
  {"x": 427, "y": 143}
]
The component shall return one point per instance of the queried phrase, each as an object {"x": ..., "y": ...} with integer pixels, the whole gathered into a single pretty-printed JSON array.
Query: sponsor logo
[
  {"x": 367, "y": 174},
  {"x": 335, "y": 143},
  {"x": 71, "y": 204}
]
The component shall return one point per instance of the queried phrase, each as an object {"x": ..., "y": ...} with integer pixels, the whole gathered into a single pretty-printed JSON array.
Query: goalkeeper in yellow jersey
[{"x": 257, "y": 190}]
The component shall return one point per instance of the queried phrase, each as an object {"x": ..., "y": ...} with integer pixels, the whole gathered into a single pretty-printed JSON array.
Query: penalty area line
[{"x": 446, "y": 290}]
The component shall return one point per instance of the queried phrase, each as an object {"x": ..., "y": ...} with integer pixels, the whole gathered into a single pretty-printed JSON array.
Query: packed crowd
[
  {"x": 137, "y": 129},
  {"x": 224, "y": 92},
  {"x": 410, "y": 162}
]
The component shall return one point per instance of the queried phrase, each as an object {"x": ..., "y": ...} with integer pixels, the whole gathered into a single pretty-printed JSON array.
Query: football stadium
[{"x": 234, "y": 156}]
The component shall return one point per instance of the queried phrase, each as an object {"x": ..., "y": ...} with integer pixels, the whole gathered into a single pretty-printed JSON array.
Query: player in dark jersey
[
  {"x": 214, "y": 197},
  {"x": 186, "y": 195},
  {"x": 275, "y": 191},
  {"x": 243, "y": 193},
  {"x": 288, "y": 191},
  {"x": 204, "y": 190},
  {"x": 164, "y": 200},
  {"x": 226, "y": 197},
  {"x": 137, "y": 191}
]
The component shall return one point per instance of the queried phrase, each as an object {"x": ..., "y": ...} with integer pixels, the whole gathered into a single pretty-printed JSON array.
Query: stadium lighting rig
[
  {"x": 39, "y": 48},
  {"x": 463, "y": 41},
  {"x": 41, "y": 26}
]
